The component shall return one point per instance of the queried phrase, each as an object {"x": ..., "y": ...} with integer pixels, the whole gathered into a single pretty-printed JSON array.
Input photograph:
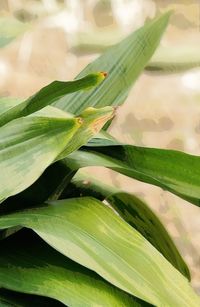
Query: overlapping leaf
[
  {"x": 167, "y": 59},
  {"x": 91, "y": 234},
  {"x": 46, "y": 96},
  {"x": 7, "y": 103},
  {"x": 29, "y": 265},
  {"x": 30, "y": 144},
  {"x": 123, "y": 62},
  {"x": 134, "y": 211},
  {"x": 171, "y": 170},
  {"x": 141, "y": 217}
]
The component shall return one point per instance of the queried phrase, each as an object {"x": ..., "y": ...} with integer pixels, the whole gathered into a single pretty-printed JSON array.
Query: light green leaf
[
  {"x": 91, "y": 234},
  {"x": 171, "y": 170},
  {"x": 134, "y": 211},
  {"x": 141, "y": 217},
  {"x": 92, "y": 121},
  {"x": 29, "y": 265},
  {"x": 124, "y": 62},
  {"x": 47, "y": 96},
  {"x": 29, "y": 145},
  {"x": 39, "y": 139},
  {"x": 7, "y": 103}
]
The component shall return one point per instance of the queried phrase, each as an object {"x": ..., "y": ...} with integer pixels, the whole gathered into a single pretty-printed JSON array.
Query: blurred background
[{"x": 44, "y": 40}]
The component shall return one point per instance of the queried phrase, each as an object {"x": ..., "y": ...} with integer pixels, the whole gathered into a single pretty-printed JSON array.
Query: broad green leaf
[
  {"x": 29, "y": 145},
  {"x": 39, "y": 139},
  {"x": 13, "y": 299},
  {"x": 124, "y": 62},
  {"x": 171, "y": 170},
  {"x": 141, "y": 217},
  {"x": 134, "y": 211},
  {"x": 48, "y": 95},
  {"x": 7, "y": 103},
  {"x": 10, "y": 28},
  {"x": 29, "y": 265},
  {"x": 91, "y": 234}
]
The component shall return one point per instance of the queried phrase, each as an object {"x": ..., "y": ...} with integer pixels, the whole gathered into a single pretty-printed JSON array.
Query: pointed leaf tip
[{"x": 104, "y": 73}]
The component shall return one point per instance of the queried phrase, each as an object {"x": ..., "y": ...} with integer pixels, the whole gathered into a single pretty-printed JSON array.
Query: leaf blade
[
  {"x": 103, "y": 242},
  {"x": 174, "y": 171},
  {"x": 134, "y": 211},
  {"x": 49, "y": 94},
  {"x": 123, "y": 62},
  {"x": 29, "y": 265},
  {"x": 29, "y": 145},
  {"x": 141, "y": 217}
]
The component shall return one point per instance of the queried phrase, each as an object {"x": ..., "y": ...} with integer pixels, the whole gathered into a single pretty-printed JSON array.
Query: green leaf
[
  {"x": 39, "y": 139},
  {"x": 175, "y": 171},
  {"x": 29, "y": 265},
  {"x": 7, "y": 103},
  {"x": 29, "y": 145},
  {"x": 134, "y": 211},
  {"x": 92, "y": 121},
  {"x": 124, "y": 62},
  {"x": 91, "y": 234},
  {"x": 48, "y": 95},
  {"x": 141, "y": 217},
  {"x": 166, "y": 59}
]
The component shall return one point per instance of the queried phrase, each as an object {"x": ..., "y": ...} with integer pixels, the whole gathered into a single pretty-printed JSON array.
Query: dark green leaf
[
  {"x": 171, "y": 170},
  {"x": 14, "y": 299}
]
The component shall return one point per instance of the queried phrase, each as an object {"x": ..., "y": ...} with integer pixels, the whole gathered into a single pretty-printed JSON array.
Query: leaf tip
[
  {"x": 104, "y": 74},
  {"x": 79, "y": 120}
]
